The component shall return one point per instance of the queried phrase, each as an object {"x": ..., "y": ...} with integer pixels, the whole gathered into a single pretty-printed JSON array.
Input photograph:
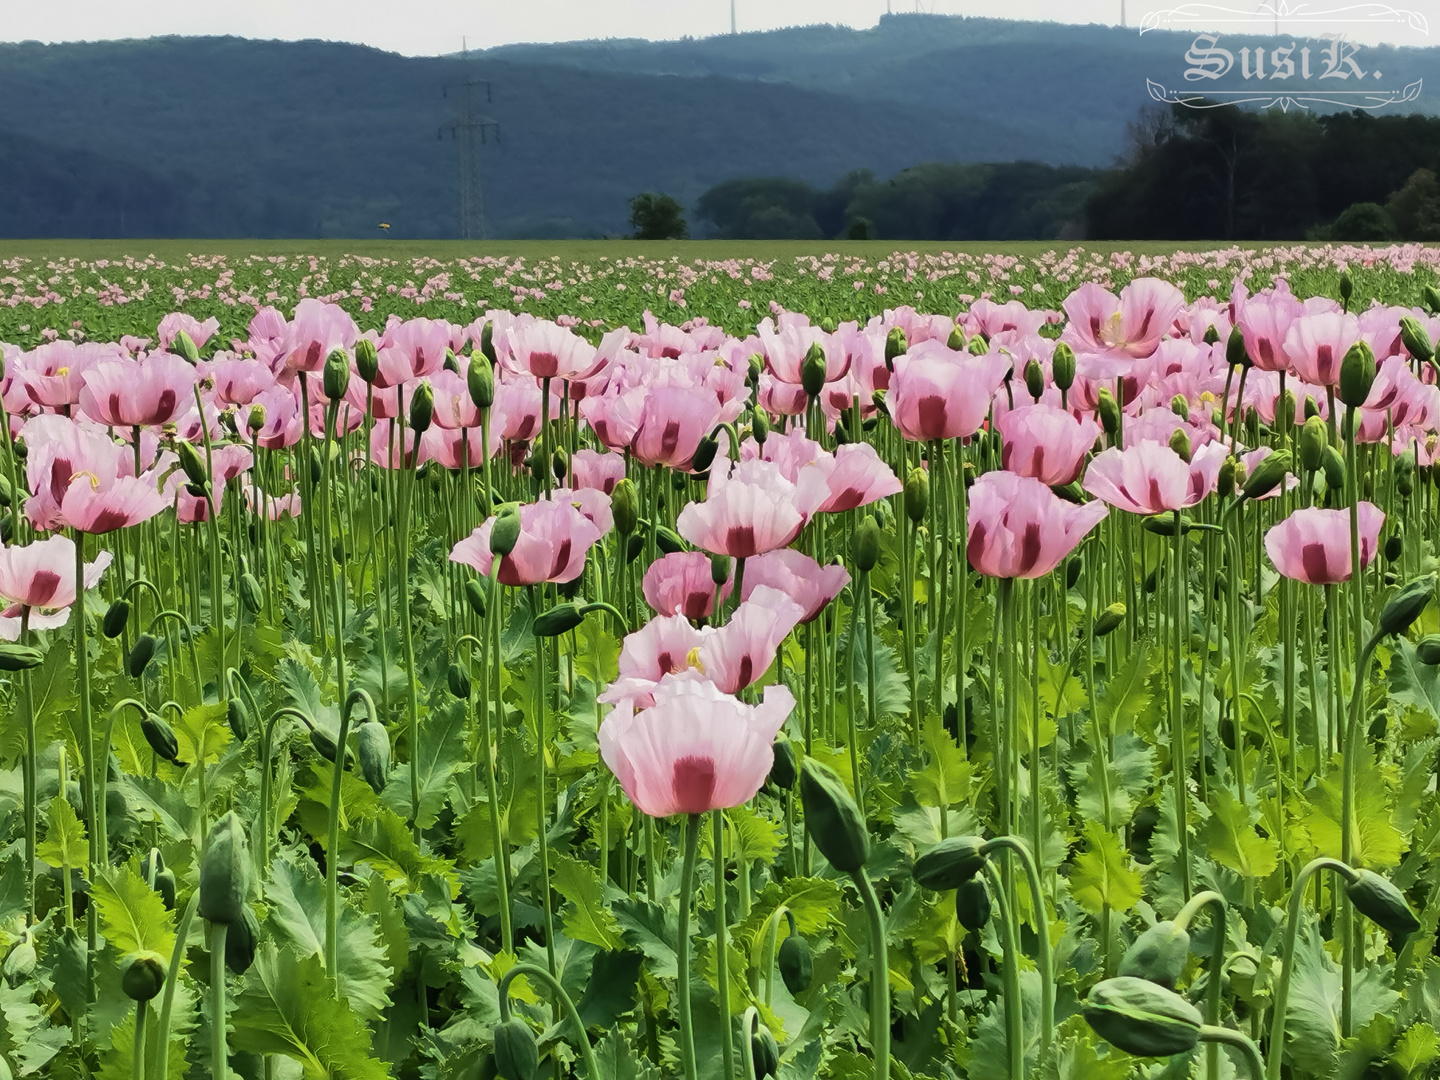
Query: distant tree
[
  {"x": 861, "y": 229},
  {"x": 1363, "y": 221},
  {"x": 1415, "y": 208},
  {"x": 656, "y": 216}
]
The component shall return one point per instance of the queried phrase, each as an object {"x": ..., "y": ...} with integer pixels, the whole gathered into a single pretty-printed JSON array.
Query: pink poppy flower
[
  {"x": 855, "y": 476},
  {"x": 739, "y": 653},
  {"x": 695, "y": 749},
  {"x": 799, "y": 577},
  {"x": 545, "y": 350},
  {"x": 412, "y": 349},
  {"x": 317, "y": 330},
  {"x": 1144, "y": 478},
  {"x": 454, "y": 408},
  {"x": 937, "y": 393},
  {"x": 453, "y": 448},
  {"x": 54, "y": 374},
  {"x": 751, "y": 508},
  {"x": 1264, "y": 322},
  {"x": 1019, "y": 528},
  {"x": 672, "y": 423},
  {"x": 659, "y": 648},
  {"x": 138, "y": 393},
  {"x": 39, "y": 578},
  {"x": 94, "y": 506},
  {"x": 593, "y": 469},
  {"x": 172, "y": 325},
  {"x": 60, "y": 450},
  {"x": 1120, "y": 328},
  {"x": 680, "y": 584},
  {"x": 554, "y": 540},
  {"x": 239, "y": 381},
  {"x": 1313, "y": 545},
  {"x": 1046, "y": 442},
  {"x": 1315, "y": 345}
]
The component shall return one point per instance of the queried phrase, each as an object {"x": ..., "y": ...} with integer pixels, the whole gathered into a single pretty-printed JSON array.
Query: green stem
[
  {"x": 1044, "y": 961},
  {"x": 1214, "y": 1034},
  {"x": 218, "y": 1069},
  {"x": 879, "y": 975},
  {"x": 592, "y": 1068},
  {"x": 1010, "y": 963},
  {"x": 722, "y": 959},
  {"x": 682, "y": 949}
]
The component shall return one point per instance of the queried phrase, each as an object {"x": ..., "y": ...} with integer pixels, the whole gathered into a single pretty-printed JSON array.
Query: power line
[{"x": 469, "y": 129}]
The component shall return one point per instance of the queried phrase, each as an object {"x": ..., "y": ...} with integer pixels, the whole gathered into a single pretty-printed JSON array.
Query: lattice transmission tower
[{"x": 470, "y": 129}]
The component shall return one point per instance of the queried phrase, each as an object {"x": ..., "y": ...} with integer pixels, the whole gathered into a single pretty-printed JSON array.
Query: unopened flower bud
[
  {"x": 896, "y": 345},
  {"x": 812, "y": 371},
  {"x": 1034, "y": 378},
  {"x": 505, "y": 533},
  {"x": 480, "y": 380},
  {"x": 1415, "y": 338},
  {"x": 183, "y": 345},
  {"x": 1110, "y": 619},
  {"x": 1180, "y": 443},
  {"x": 917, "y": 494},
  {"x": 1180, "y": 406},
  {"x": 1109, "y": 412},
  {"x": 1062, "y": 366},
  {"x": 1314, "y": 437},
  {"x": 367, "y": 361},
  {"x": 1357, "y": 374},
  {"x": 335, "y": 376},
  {"x": 866, "y": 546},
  {"x": 1235, "y": 354},
  {"x": 422, "y": 408},
  {"x": 625, "y": 506},
  {"x": 191, "y": 461}
]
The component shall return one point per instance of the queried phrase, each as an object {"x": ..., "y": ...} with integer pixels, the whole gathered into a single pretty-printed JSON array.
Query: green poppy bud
[
  {"x": 972, "y": 903},
  {"x": 1394, "y": 545},
  {"x": 1235, "y": 354},
  {"x": 1062, "y": 366},
  {"x": 1109, "y": 412},
  {"x": 1074, "y": 566},
  {"x": 756, "y": 367},
  {"x": 142, "y": 975},
  {"x": 1225, "y": 481},
  {"x": 896, "y": 345},
  {"x": 1405, "y": 606},
  {"x": 1314, "y": 437},
  {"x": 1180, "y": 443},
  {"x": 1034, "y": 378},
  {"x": 1333, "y": 466},
  {"x": 1382, "y": 903},
  {"x": 458, "y": 680},
  {"x": 255, "y": 419},
  {"x": 955, "y": 341},
  {"x": 1357, "y": 374},
  {"x": 165, "y": 886},
  {"x": 1243, "y": 970},
  {"x": 487, "y": 343},
  {"x": 834, "y": 820},
  {"x": 784, "y": 772},
  {"x": 917, "y": 494},
  {"x": 668, "y": 540},
  {"x": 480, "y": 380},
  {"x": 372, "y": 751},
  {"x": 797, "y": 966},
  {"x": 335, "y": 375},
  {"x": 251, "y": 595},
  {"x": 1159, "y": 954},
  {"x": 475, "y": 591},
  {"x": 812, "y": 371},
  {"x": 950, "y": 863},
  {"x": 865, "y": 549},
  {"x": 237, "y": 716},
  {"x": 764, "y": 1052},
  {"x": 116, "y": 616},
  {"x": 450, "y": 363},
  {"x": 1269, "y": 474},
  {"x": 1166, "y": 524},
  {"x": 1212, "y": 335},
  {"x": 625, "y": 506},
  {"x": 505, "y": 533},
  {"x": 1110, "y": 619},
  {"x": 1428, "y": 650},
  {"x": 1430, "y": 296},
  {"x": 225, "y": 871},
  {"x": 324, "y": 744},
  {"x": 979, "y": 346},
  {"x": 422, "y": 407},
  {"x": 367, "y": 361},
  {"x": 719, "y": 569},
  {"x": 16, "y": 657},
  {"x": 140, "y": 655},
  {"x": 705, "y": 452},
  {"x": 560, "y": 619},
  {"x": 516, "y": 1055},
  {"x": 182, "y": 344},
  {"x": 760, "y": 426},
  {"x": 1415, "y": 338},
  {"x": 240, "y": 941},
  {"x": 191, "y": 461},
  {"x": 1347, "y": 287},
  {"x": 1142, "y": 1018}
]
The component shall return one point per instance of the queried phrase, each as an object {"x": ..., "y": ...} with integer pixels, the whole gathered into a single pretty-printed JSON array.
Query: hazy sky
[{"x": 421, "y": 27}]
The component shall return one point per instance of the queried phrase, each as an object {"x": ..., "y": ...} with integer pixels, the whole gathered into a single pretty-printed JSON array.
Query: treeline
[
  {"x": 935, "y": 201},
  {"x": 1227, "y": 173}
]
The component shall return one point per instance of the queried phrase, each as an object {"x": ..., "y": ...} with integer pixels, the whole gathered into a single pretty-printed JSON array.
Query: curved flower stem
[
  {"x": 267, "y": 749},
  {"x": 1214, "y": 1034},
  {"x": 749, "y": 1024},
  {"x": 1287, "y": 956},
  {"x": 100, "y": 837},
  {"x": 592, "y": 1069},
  {"x": 332, "y": 851},
  {"x": 682, "y": 948},
  {"x": 1010, "y": 966},
  {"x": 722, "y": 958},
  {"x": 492, "y": 793},
  {"x": 879, "y": 976},
  {"x": 769, "y": 936},
  {"x": 172, "y": 979},
  {"x": 1044, "y": 961},
  {"x": 1219, "y": 911},
  {"x": 541, "y": 784},
  {"x": 1179, "y": 752},
  {"x": 189, "y": 642}
]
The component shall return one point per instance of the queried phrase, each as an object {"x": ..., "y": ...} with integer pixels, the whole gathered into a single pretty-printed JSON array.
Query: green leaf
[
  {"x": 1416, "y": 1050},
  {"x": 649, "y": 928},
  {"x": 132, "y": 915},
  {"x": 617, "y": 1060},
  {"x": 815, "y": 903},
  {"x": 1312, "y": 1021},
  {"x": 587, "y": 919},
  {"x": 1127, "y": 692},
  {"x": 64, "y": 843},
  {"x": 296, "y": 894},
  {"x": 442, "y": 755},
  {"x": 948, "y": 776},
  {"x": 754, "y": 838},
  {"x": 1104, "y": 874},
  {"x": 1232, "y": 841},
  {"x": 384, "y": 843},
  {"x": 287, "y": 1005},
  {"x": 202, "y": 734},
  {"x": 610, "y": 994},
  {"x": 1411, "y": 682},
  {"x": 1075, "y": 1055},
  {"x": 1376, "y": 842}
]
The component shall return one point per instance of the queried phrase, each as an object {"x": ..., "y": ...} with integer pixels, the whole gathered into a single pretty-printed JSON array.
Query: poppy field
[{"x": 1013, "y": 664}]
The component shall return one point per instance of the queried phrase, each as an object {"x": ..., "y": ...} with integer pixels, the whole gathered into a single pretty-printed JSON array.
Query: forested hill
[{"x": 231, "y": 137}]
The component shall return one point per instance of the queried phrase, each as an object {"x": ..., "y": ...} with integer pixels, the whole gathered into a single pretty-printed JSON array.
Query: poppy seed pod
[
  {"x": 367, "y": 360},
  {"x": 516, "y": 1055},
  {"x": 1034, "y": 378},
  {"x": 372, "y": 751},
  {"x": 225, "y": 871},
  {"x": 1235, "y": 354},
  {"x": 1415, "y": 339},
  {"x": 422, "y": 407},
  {"x": 1141, "y": 1017},
  {"x": 140, "y": 655},
  {"x": 191, "y": 461},
  {"x": 972, "y": 904},
  {"x": 950, "y": 863},
  {"x": 1110, "y": 619},
  {"x": 1159, "y": 954},
  {"x": 142, "y": 975},
  {"x": 797, "y": 966},
  {"x": 1405, "y": 606},
  {"x": 1062, "y": 366},
  {"x": 160, "y": 736},
  {"x": 240, "y": 941},
  {"x": 812, "y": 371},
  {"x": 1357, "y": 374},
  {"x": 335, "y": 376},
  {"x": 1382, "y": 903},
  {"x": 835, "y": 822},
  {"x": 116, "y": 616}
]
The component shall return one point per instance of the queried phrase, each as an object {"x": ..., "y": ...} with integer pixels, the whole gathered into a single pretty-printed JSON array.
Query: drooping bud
[
  {"x": 457, "y": 681},
  {"x": 1415, "y": 338},
  {"x": 487, "y": 342},
  {"x": 972, "y": 903},
  {"x": 797, "y": 965},
  {"x": 240, "y": 941},
  {"x": 560, "y": 619},
  {"x": 476, "y": 591},
  {"x": 422, "y": 408},
  {"x": 116, "y": 616},
  {"x": 950, "y": 863},
  {"x": 1110, "y": 619},
  {"x": 1395, "y": 545},
  {"x": 1180, "y": 443},
  {"x": 161, "y": 737},
  {"x": 191, "y": 461},
  {"x": 225, "y": 870},
  {"x": 372, "y": 752},
  {"x": 237, "y": 717},
  {"x": 335, "y": 376},
  {"x": 835, "y": 822},
  {"x": 142, "y": 975},
  {"x": 1269, "y": 474},
  {"x": 784, "y": 772},
  {"x": 140, "y": 655},
  {"x": 1382, "y": 903},
  {"x": 517, "y": 1057},
  {"x": 1062, "y": 366},
  {"x": 764, "y": 1052},
  {"x": 1159, "y": 955},
  {"x": 1405, "y": 606},
  {"x": 1357, "y": 374},
  {"x": 1142, "y": 1018},
  {"x": 705, "y": 452}
]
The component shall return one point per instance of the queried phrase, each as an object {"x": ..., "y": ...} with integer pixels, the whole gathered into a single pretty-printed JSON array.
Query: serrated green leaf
[
  {"x": 1104, "y": 874},
  {"x": 610, "y": 993},
  {"x": 202, "y": 733},
  {"x": 752, "y": 837},
  {"x": 1231, "y": 839},
  {"x": 1127, "y": 692},
  {"x": 132, "y": 915},
  {"x": 287, "y": 1005},
  {"x": 1376, "y": 842},
  {"x": 587, "y": 918},
  {"x": 64, "y": 843},
  {"x": 1416, "y": 1050},
  {"x": 442, "y": 755},
  {"x": 948, "y": 776}
]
